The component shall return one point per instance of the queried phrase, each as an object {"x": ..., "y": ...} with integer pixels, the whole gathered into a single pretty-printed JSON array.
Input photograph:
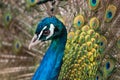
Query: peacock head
[{"x": 47, "y": 29}]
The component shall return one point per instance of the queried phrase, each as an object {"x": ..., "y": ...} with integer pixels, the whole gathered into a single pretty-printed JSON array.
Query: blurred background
[
  {"x": 18, "y": 20},
  {"x": 17, "y": 26}
]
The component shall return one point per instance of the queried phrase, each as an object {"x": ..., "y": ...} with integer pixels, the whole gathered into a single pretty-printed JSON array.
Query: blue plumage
[{"x": 50, "y": 65}]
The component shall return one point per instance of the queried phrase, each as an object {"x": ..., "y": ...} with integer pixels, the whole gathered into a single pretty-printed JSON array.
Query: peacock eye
[{"x": 46, "y": 32}]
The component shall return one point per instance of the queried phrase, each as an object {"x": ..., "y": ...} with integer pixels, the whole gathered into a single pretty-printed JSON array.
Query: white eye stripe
[
  {"x": 51, "y": 31},
  {"x": 41, "y": 32}
]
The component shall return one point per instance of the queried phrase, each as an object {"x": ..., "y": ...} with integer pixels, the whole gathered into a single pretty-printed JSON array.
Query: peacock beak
[{"x": 34, "y": 41}]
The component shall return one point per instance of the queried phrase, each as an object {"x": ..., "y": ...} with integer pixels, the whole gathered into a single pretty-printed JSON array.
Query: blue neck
[{"x": 50, "y": 65}]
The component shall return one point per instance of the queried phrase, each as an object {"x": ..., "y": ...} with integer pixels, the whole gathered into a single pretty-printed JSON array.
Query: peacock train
[{"x": 59, "y": 40}]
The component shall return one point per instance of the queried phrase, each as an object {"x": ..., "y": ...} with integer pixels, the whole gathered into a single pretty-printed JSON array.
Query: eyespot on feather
[
  {"x": 108, "y": 67},
  {"x": 17, "y": 46},
  {"x": 94, "y": 23},
  {"x": 102, "y": 42},
  {"x": 78, "y": 21},
  {"x": 93, "y": 4},
  {"x": 110, "y": 13},
  {"x": 7, "y": 18},
  {"x": 99, "y": 76}
]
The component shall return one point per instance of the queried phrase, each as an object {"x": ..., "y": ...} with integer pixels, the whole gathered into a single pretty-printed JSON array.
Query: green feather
[
  {"x": 93, "y": 4},
  {"x": 94, "y": 23},
  {"x": 102, "y": 43},
  {"x": 7, "y": 18},
  {"x": 99, "y": 76},
  {"x": 17, "y": 46},
  {"x": 78, "y": 21},
  {"x": 82, "y": 58},
  {"x": 108, "y": 67},
  {"x": 110, "y": 13}
]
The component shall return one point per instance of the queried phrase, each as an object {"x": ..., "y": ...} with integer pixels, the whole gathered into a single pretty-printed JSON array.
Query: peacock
[
  {"x": 85, "y": 57},
  {"x": 83, "y": 38}
]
